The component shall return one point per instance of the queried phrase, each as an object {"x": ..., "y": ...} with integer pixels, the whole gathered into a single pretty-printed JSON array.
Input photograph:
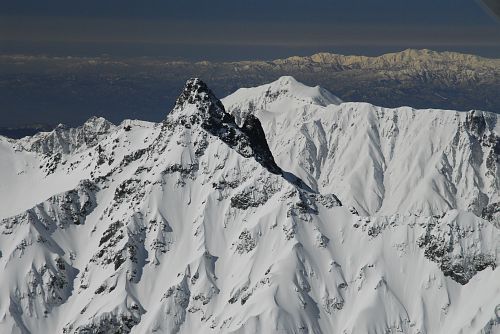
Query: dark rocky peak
[
  {"x": 208, "y": 106},
  {"x": 475, "y": 122},
  {"x": 253, "y": 129},
  {"x": 198, "y": 106}
]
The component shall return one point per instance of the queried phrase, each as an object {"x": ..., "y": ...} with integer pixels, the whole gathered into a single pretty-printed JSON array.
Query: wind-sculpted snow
[
  {"x": 379, "y": 160},
  {"x": 190, "y": 226}
]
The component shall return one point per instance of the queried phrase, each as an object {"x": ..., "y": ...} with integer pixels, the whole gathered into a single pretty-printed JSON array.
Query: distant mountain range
[{"x": 71, "y": 89}]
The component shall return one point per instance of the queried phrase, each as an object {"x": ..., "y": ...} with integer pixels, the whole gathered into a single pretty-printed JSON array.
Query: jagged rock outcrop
[{"x": 249, "y": 139}]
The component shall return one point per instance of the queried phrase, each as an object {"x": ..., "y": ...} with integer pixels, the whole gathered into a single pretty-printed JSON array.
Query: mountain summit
[
  {"x": 383, "y": 161},
  {"x": 284, "y": 89},
  {"x": 197, "y": 105}
]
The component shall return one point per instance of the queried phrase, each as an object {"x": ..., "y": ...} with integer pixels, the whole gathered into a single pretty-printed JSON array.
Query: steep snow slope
[
  {"x": 379, "y": 160},
  {"x": 190, "y": 226},
  {"x": 30, "y": 175}
]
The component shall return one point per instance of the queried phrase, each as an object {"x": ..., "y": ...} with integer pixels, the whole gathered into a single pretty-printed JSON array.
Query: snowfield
[{"x": 280, "y": 209}]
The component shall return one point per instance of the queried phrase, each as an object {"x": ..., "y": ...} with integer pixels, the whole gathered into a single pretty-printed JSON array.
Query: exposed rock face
[
  {"x": 447, "y": 241},
  {"x": 249, "y": 140}
]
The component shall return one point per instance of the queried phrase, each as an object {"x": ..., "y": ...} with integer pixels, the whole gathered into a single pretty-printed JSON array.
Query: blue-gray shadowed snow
[{"x": 176, "y": 227}]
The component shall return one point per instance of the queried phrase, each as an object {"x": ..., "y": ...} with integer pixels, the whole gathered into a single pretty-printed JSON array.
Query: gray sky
[{"x": 240, "y": 30}]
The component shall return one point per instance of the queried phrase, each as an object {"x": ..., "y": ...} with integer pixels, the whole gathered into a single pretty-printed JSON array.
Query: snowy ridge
[
  {"x": 190, "y": 226},
  {"x": 284, "y": 90},
  {"x": 384, "y": 161},
  {"x": 66, "y": 140}
]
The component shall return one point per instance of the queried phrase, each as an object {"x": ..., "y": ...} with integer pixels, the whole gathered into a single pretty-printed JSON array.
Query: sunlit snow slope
[
  {"x": 192, "y": 226},
  {"x": 379, "y": 160}
]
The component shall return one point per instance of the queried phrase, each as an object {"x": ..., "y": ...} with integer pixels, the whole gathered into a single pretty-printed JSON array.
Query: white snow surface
[
  {"x": 185, "y": 226},
  {"x": 379, "y": 160}
]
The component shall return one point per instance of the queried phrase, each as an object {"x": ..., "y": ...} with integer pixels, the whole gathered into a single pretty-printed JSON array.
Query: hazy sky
[
  {"x": 226, "y": 29},
  {"x": 207, "y": 30}
]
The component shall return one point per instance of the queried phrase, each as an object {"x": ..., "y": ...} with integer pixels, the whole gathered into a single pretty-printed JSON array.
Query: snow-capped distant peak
[
  {"x": 284, "y": 90},
  {"x": 293, "y": 88}
]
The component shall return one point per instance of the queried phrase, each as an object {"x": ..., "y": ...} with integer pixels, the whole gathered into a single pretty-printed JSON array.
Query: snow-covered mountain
[
  {"x": 197, "y": 225},
  {"x": 379, "y": 160}
]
